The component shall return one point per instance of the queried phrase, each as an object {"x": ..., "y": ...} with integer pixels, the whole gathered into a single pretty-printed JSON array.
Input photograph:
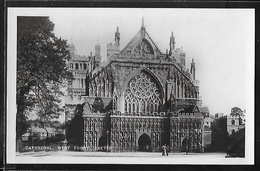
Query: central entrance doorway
[
  {"x": 144, "y": 143},
  {"x": 185, "y": 145}
]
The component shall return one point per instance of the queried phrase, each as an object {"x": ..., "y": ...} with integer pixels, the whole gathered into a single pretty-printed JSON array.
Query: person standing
[
  {"x": 164, "y": 150},
  {"x": 167, "y": 150}
]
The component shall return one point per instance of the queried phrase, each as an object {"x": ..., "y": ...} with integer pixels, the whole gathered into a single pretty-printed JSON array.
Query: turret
[
  {"x": 192, "y": 69},
  {"x": 97, "y": 59},
  {"x": 172, "y": 44},
  {"x": 93, "y": 63},
  {"x": 117, "y": 37},
  {"x": 87, "y": 83},
  {"x": 97, "y": 52},
  {"x": 114, "y": 48},
  {"x": 182, "y": 57},
  {"x": 72, "y": 49}
]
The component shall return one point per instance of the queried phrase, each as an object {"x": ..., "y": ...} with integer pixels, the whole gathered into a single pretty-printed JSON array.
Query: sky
[{"x": 221, "y": 42}]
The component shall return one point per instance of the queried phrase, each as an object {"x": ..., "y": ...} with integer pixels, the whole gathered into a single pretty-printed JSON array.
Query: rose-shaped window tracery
[{"x": 142, "y": 94}]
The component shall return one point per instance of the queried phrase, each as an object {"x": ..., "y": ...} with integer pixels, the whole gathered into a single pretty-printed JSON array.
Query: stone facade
[
  {"x": 233, "y": 123},
  {"x": 141, "y": 99},
  {"x": 79, "y": 66}
]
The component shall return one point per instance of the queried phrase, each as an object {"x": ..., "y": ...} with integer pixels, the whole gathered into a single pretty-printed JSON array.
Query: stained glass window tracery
[{"x": 142, "y": 94}]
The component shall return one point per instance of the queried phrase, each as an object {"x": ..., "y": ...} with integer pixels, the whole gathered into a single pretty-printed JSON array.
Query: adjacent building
[
  {"x": 80, "y": 66},
  {"x": 235, "y": 122}
]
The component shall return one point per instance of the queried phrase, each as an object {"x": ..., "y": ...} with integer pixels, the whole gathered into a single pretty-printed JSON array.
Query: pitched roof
[
  {"x": 50, "y": 130},
  {"x": 39, "y": 130},
  {"x": 189, "y": 109},
  {"x": 26, "y": 134},
  {"x": 141, "y": 45}
]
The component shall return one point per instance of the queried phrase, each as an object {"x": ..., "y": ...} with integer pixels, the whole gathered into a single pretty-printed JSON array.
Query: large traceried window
[{"x": 142, "y": 95}]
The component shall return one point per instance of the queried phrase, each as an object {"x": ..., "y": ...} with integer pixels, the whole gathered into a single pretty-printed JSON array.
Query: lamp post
[{"x": 107, "y": 140}]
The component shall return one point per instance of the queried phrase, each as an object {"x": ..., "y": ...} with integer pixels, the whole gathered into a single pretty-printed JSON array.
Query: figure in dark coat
[{"x": 164, "y": 150}]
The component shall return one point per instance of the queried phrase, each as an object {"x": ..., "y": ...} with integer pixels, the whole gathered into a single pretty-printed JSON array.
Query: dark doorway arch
[
  {"x": 102, "y": 142},
  {"x": 144, "y": 143},
  {"x": 185, "y": 145}
]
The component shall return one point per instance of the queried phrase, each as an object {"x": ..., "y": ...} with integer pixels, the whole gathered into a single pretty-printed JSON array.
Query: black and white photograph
[{"x": 130, "y": 86}]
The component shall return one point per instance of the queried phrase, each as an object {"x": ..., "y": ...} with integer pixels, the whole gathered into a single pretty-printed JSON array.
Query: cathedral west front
[{"x": 140, "y": 99}]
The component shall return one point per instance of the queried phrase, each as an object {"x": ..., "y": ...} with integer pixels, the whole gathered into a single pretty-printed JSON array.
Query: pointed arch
[
  {"x": 144, "y": 142},
  {"x": 148, "y": 71},
  {"x": 143, "y": 93}
]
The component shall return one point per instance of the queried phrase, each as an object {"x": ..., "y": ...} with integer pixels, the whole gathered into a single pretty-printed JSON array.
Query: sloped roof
[
  {"x": 50, "y": 130},
  {"x": 39, "y": 130},
  {"x": 87, "y": 108},
  {"x": 188, "y": 109},
  {"x": 141, "y": 44},
  {"x": 26, "y": 134}
]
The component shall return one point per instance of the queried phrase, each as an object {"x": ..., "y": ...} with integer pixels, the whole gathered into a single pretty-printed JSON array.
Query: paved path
[
  {"x": 73, "y": 157},
  {"x": 121, "y": 154}
]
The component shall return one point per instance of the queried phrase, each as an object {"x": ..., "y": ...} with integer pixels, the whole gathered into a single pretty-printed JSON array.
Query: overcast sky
[{"x": 221, "y": 41}]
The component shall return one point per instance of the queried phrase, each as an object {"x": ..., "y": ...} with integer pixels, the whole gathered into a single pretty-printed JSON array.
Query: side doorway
[{"x": 144, "y": 143}]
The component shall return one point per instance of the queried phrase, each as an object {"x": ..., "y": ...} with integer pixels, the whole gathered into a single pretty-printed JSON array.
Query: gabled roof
[
  {"x": 141, "y": 45},
  {"x": 188, "y": 109},
  {"x": 51, "y": 130}
]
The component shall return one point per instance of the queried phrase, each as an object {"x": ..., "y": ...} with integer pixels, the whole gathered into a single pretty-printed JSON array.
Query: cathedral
[{"x": 139, "y": 99}]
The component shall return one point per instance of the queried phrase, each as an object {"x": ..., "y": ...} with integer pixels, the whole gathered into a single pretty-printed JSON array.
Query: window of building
[
  {"x": 233, "y": 122},
  {"x": 142, "y": 95},
  {"x": 77, "y": 66},
  {"x": 82, "y": 83},
  {"x": 71, "y": 66}
]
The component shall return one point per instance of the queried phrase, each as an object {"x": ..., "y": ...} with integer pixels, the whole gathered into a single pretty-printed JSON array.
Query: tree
[
  {"x": 76, "y": 125},
  {"x": 219, "y": 134},
  {"x": 53, "y": 124},
  {"x": 236, "y": 111},
  {"x": 41, "y": 70},
  {"x": 236, "y": 146}
]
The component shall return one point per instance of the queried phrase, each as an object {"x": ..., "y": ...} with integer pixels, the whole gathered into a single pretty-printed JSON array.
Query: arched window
[
  {"x": 233, "y": 122},
  {"x": 142, "y": 94},
  {"x": 77, "y": 66}
]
